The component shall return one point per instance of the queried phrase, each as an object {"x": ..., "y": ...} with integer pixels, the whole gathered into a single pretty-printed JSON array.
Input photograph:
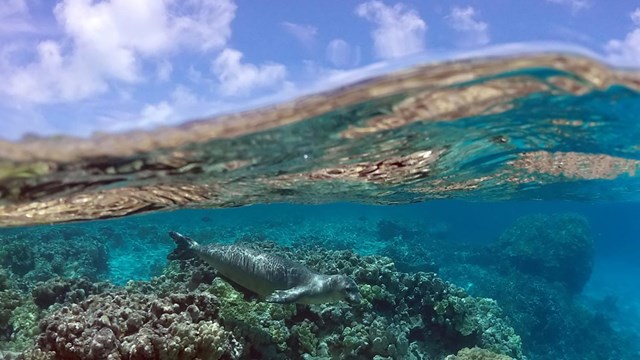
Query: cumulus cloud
[
  {"x": 238, "y": 78},
  {"x": 107, "y": 41},
  {"x": 203, "y": 24},
  {"x": 574, "y": 5},
  {"x": 304, "y": 33},
  {"x": 626, "y": 52},
  {"x": 341, "y": 54},
  {"x": 153, "y": 114},
  {"x": 635, "y": 17},
  {"x": 399, "y": 31},
  {"x": 472, "y": 31}
]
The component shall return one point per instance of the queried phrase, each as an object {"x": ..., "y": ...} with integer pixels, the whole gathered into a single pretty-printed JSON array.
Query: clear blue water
[{"x": 137, "y": 248}]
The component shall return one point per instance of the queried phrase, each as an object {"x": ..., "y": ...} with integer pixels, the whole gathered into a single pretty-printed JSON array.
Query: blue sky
[{"x": 80, "y": 66}]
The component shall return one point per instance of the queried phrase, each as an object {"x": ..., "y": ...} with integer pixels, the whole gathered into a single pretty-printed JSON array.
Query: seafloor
[{"x": 443, "y": 280}]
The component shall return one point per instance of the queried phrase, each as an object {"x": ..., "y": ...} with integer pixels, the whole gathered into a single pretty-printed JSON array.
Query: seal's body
[{"x": 269, "y": 276}]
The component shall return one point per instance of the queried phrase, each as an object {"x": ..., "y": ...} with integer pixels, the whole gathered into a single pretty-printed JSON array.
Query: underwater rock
[
  {"x": 188, "y": 312},
  {"x": 409, "y": 258},
  {"x": 534, "y": 271},
  {"x": 124, "y": 325},
  {"x": 9, "y": 301},
  {"x": 409, "y": 247},
  {"x": 40, "y": 254},
  {"x": 18, "y": 319},
  {"x": 178, "y": 277},
  {"x": 545, "y": 314},
  {"x": 5, "y": 282},
  {"x": 556, "y": 247},
  {"x": 61, "y": 290},
  {"x": 17, "y": 257},
  {"x": 477, "y": 354}
]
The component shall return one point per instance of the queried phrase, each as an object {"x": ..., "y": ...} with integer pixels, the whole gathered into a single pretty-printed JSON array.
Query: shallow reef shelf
[{"x": 540, "y": 126}]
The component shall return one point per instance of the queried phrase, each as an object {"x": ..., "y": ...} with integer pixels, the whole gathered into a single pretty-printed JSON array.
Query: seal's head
[{"x": 346, "y": 288}]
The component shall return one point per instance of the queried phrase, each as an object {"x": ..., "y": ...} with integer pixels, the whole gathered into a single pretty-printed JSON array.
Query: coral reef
[
  {"x": 40, "y": 254},
  {"x": 552, "y": 324},
  {"x": 402, "y": 315},
  {"x": 476, "y": 354},
  {"x": 17, "y": 257},
  {"x": 557, "y": 247},
  {"x": 534, "y": 270},
  {"x": 406, "y": 246},
  {"x": 189, "y": 313},
  {"x": 424, "y": 307},
  {"x": 125, "y": 325},
  {"x": 18, "y": 316},
  {"x": 5, "y": 282},
  {"x": 9, "y": 301},
  {"x": 60, "y": 290}
]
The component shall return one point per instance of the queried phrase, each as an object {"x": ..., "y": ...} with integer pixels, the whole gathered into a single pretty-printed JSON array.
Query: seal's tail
[{"x": 184, "y": 249}]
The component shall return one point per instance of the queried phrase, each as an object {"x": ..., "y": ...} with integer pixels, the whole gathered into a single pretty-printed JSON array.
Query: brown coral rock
[
  {"x": 127, "y": 325},
  {"x": 477, "y": 354}
]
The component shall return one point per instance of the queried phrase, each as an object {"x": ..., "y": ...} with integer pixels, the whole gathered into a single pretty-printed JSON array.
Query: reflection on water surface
[{"x": 531, "y": 127}]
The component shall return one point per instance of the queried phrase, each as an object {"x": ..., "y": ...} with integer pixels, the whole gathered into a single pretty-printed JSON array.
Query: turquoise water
[
  {"x": 453, "y": 239},
  {"x": 493, "y": 218}
]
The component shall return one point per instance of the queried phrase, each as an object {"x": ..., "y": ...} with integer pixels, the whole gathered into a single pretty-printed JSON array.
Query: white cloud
[
  {"x": 341, "y": 54},
  {"x": 14, "y": 17},
  {"x": 304, "y": 33},
  {"x": 575, "y": 5},
  {"x": 472, "y": 31},
  {"x": 13, "y": 7},
  {"x": 204, "y": 24},
  {"x": 107, "y": 41},
  {"x": 399, "y": 31},
  {"x": 635, "y": 16},
  {"x": 53, "y": 77},
  {"x": 154, "y": 114},
  {"x": 237, "y": 78},
  {"x": 626, "y": 52}
]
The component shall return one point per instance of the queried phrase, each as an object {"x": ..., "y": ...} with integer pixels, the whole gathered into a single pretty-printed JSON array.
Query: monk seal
[{"x": 271, "y": 277}]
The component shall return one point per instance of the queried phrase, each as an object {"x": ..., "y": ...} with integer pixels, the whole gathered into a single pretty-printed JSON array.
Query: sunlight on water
[{"x": 537, "y": 127}]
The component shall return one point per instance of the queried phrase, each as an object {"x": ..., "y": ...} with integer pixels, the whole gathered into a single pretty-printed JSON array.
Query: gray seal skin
[{"x": 271, "y": 277}]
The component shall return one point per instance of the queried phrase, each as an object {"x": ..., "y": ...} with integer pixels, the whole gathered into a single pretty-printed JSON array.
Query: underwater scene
[
  {"x": 465, "y": 210},
  {"x": 464, "y": 280}
]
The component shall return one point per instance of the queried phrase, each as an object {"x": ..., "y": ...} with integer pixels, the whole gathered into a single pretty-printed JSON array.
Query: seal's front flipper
[{"x": 287, "y": 296}]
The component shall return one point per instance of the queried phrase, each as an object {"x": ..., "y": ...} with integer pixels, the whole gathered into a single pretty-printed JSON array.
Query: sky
[{"x": 76, "y": 67}]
